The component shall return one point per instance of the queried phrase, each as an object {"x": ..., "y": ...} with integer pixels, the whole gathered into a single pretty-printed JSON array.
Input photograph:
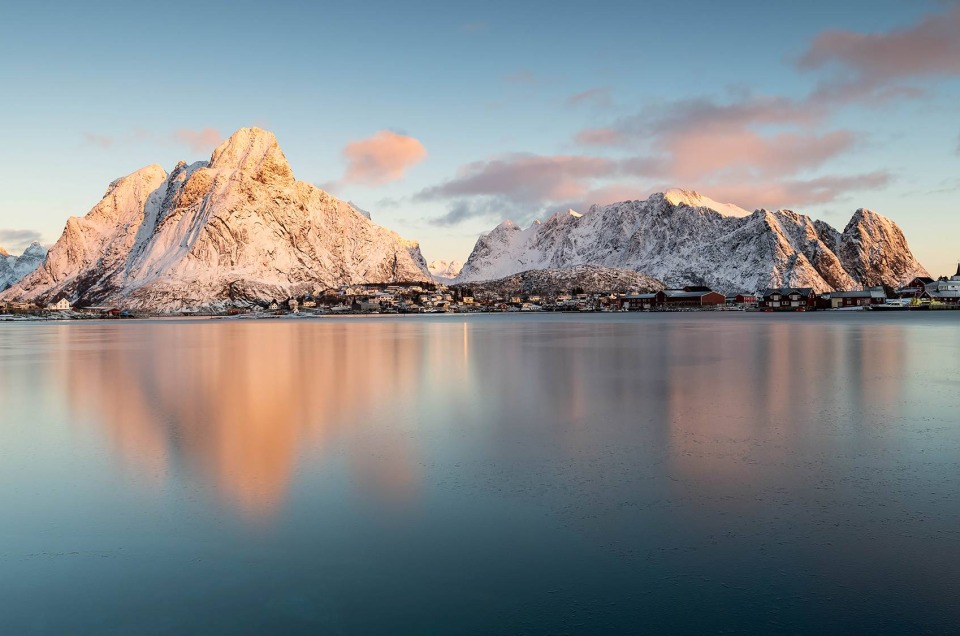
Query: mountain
[
  {"x": 590, "y": 278},
  {"x": 14, "y": 268},
  {"x": 684, "y": 238},
  {"x": 234, "y": 230},
  {"x": 444, "y": 271}
]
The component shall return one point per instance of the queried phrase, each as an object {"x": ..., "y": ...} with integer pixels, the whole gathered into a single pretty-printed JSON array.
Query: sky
[{"x": 444, "y": 119}]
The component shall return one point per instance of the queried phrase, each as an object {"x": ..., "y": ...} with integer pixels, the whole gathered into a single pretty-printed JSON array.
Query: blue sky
[{"x": 493, "y": 110}]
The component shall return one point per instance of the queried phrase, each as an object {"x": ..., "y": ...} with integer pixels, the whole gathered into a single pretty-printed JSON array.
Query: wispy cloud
[
  {"x": 600, "y": 97},
  {"x": 522, "y": 77},
  {"x": 98, "y": 140},
  {"x": 203, "y": 140},
  {"x": 475, "y": 27},
  {"x": 872, "y": 65},
  {"x": 15, "y": 241},
  {"x": 798, "y": 192}
]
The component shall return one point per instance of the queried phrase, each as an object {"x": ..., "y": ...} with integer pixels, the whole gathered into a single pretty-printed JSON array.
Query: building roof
[
  {"x": 942, "y": 294},
  {"x": 786, "y": 291},
  {"x": 864, "y": 293},
  {"x": 679, "y": 293}
]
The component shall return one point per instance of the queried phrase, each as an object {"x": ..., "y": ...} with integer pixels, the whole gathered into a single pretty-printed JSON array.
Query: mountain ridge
[{"x": 684, "y": 238}]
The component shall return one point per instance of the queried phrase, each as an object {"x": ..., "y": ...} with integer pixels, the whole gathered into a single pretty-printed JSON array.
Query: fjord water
[{"x": 489, "y": 474}]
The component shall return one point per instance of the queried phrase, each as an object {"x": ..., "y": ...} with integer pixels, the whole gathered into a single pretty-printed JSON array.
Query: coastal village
[{"x": 923, "y": 293}]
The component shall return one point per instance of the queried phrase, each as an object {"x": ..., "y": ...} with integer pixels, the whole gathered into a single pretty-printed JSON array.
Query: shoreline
[{"x": 76, "y": 317}]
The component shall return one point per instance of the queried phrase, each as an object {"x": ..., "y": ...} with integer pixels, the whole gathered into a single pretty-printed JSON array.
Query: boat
[{"x": 895, "y": 304}]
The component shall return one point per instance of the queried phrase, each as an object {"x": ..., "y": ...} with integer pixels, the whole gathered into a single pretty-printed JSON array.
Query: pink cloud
[
  {"x": 601, "y": 137},
  {"x": 680, "y": 116},
  {"x": 382, "y": 158},
  {"x": 199, "y": 140},
  {"x": 794, "y": 192},
  {"x": 743, "y": 153},
  {"x": 865, "y": 63},
  {"x": 525, "y": 178}
]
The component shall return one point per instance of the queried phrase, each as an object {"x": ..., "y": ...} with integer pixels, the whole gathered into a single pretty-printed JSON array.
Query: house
[
  {"x": 370, "y": 304},
  {"x": 788, "y": 299},
  {"x": 847, "y": 299},
  {"x": 742, "y": 300},
  {"x": 915, "y": 287},
  {"x": 61, "y": 305},
  {"x": 945, "y": 290},
  {"x": 694, "y": 298}
]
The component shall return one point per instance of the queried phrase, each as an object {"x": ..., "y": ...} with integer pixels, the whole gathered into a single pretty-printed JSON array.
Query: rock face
[
  {"x": 590, "y": 278},
  {"x": 15, "y": 268},
  {"x": 683, "y": 238},
  {"x": 234, "y": 230},
  {"x": 445, "y": 271}
]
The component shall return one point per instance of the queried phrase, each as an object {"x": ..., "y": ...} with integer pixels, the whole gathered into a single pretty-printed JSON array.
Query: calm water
[{"x": 487, "y": 475}]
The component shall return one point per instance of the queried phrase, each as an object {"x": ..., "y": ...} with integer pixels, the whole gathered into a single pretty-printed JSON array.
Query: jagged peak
[
  {"x": 152, "y": 174},
  {"x": 507, "y": 225},
  {"x": 866, "y": 218},
  {"x": 560, "y": 216},
  {"x": 35, "y": 249},
  {"x": 252, "y": 150},
  {"x": 866, "y": 214},
  {"x": 693, "y": 199},
  {"x": 4, "y": 252}
]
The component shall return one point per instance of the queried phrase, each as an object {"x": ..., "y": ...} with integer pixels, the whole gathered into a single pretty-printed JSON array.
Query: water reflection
[
  {"x": 237, "y": 403},
  {"x": 620, "y": 468}
]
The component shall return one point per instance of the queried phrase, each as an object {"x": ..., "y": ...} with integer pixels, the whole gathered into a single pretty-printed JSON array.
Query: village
[{"x": 426, "y": 298}]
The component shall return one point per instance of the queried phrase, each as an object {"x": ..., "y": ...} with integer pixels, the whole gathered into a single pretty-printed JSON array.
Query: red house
[{"x": 788, "y": 299}]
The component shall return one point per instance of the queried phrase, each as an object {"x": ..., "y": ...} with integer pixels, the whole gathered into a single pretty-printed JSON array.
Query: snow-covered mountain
[
  {"x": 230, "y": 231},
  {"x": 444, "y": 271},
  {"x": 589, "y": 278},
  {"x": 683, "y": 238},
  {"x": 14, "y": 268}
]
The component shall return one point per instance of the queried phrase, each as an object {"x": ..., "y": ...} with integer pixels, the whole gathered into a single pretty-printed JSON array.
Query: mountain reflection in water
[{"x": 482, "y": 474}]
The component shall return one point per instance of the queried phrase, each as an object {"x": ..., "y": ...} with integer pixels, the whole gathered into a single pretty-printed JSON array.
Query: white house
[{"x": 61, "y": 305}]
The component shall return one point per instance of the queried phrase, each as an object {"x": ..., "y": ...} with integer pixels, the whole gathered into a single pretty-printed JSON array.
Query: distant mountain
[
  {"x": 229, "y": 231},
  {"x": 589, "y": 278},
  {"x": 444, "y": 271},
  {"x": 684, "y": 238},
  {"x": 15, "y": 268}
]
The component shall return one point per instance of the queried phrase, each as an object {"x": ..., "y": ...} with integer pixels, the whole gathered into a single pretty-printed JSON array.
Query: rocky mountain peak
[
  {"x": 35, "y": 249},
  {"x": 253, "y": 152},
  {"x": 235, "y": 231},
  {"x": 692, "y": 198},
  {"x": 445, "y": 270},
  {"x": 4, "y": 252}
]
